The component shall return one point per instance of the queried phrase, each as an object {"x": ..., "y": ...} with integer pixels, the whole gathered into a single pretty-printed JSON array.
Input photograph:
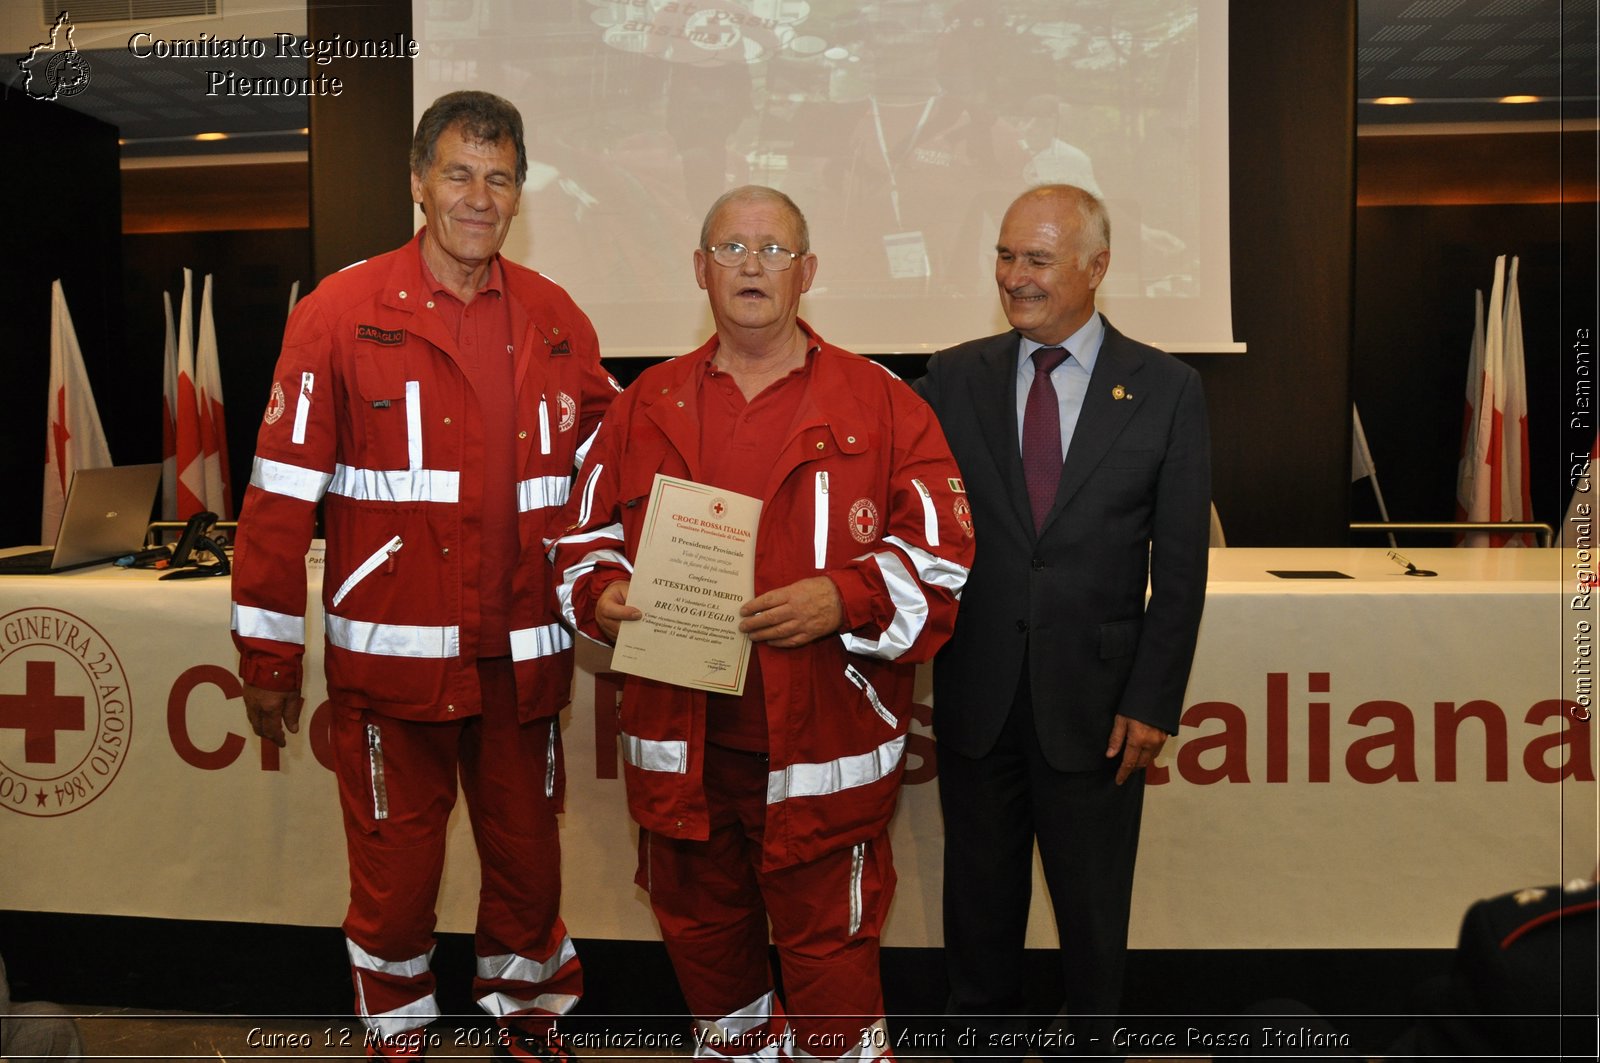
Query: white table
[{"x": 1271, "y": 829}]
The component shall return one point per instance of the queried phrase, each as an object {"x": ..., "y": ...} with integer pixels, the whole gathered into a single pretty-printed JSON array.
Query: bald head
[
  {"x": 1052, "y": 254},
  {"x": 759, "y": 194},
  {"x": 1092, "y": 223}
]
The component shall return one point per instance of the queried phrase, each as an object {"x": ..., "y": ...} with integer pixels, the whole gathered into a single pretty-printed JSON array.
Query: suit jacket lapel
[
  {"x": 999, "y": 380},
  {"x": 1103, "y": 416}
]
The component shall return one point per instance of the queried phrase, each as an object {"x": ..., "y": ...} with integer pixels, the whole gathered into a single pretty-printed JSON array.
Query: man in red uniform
[
  {"x": 775, "y": 804},
  {"x": 436, "y": 400}
]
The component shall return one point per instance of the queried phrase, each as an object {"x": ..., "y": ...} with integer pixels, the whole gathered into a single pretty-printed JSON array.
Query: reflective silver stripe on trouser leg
[
  {"x": 550, "y": 761},
  {"x": 714, "y": 1037},
  {"x": 380, "y": 788},
  {"x": 396, "y": 1021},
  {"x": 510, "y": 967},
  {"x": 857, "y": 861}
]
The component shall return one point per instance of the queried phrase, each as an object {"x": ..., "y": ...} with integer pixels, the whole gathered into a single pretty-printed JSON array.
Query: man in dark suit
[{"x": 1087, "y": 467}]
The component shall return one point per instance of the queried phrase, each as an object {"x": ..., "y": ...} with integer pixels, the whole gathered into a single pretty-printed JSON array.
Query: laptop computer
[{"x": 105, "y": 517}]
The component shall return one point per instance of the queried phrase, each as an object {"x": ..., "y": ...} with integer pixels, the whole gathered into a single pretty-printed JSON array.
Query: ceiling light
[
  {"x": 211, "y": 136},
  {"x": 1519, "y": 99},
  {"x": 1389, "y": 101}
]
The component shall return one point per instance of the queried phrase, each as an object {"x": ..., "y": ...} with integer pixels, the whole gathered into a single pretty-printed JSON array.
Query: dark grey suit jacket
[{"x": 1134, "y": 499}]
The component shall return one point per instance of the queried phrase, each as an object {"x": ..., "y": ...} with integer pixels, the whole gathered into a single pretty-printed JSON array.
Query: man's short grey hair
[
  {"x": 759, "y": 194},
  {"x": 483, "y": 117},
  {"x": 1094, "y": 224}
]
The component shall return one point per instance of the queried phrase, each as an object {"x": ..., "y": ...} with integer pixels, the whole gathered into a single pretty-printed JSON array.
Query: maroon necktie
[{"x": 1041, "y": 435}]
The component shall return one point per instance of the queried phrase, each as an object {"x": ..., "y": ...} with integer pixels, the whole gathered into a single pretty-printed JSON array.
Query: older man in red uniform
[
  {"x": 774, "y": 805},
  {"x": 436, "y": 401}
]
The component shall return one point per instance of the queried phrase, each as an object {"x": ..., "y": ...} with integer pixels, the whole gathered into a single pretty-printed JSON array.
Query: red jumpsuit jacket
[
  {"x": 865, "y": 492},
  {"x": 371, "y": 415}
]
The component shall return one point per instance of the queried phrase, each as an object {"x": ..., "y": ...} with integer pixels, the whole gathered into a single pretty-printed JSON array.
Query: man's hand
[
  {"x": 270, "y": 711},
  {"x": 792, "y": 616},
  {"x": 1139, "y": 744},
  {"x": 612, "y": 608}
]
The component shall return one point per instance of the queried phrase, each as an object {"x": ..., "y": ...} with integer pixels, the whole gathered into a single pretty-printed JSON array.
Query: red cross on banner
[{"x": 40, "y": 712}]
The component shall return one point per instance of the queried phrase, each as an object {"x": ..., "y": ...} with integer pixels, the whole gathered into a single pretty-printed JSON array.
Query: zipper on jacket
[
  {"x": 930, "y": 516},
  {"x": 302, "y": 408},
  {"x": 819, "y": 524},
  {"x": 384, "y": 556},
  {"x": 860, "y": 682},
  {"x": 380, "y": 788},
  {"x": 544, "y": 426},
  {"x": 858, "y": 860}
]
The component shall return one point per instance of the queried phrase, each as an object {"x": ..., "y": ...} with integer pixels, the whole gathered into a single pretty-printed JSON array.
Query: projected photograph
[{"x": 902, "y": 128}]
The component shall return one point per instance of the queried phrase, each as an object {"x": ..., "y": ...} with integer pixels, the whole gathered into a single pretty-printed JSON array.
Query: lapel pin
[{"x": 1119, "y": 393}]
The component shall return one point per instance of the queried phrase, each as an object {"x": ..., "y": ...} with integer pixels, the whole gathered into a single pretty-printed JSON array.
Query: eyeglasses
[{"x": 771, "y": 257}]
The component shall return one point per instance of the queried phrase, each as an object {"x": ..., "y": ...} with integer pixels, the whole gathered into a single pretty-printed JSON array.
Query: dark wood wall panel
[
  {"x": 273, "y": 195},
  {"x": 60, "y": 177},
  {"x": 360, "y": 139},
  {"x": 1280, "y": 413}
]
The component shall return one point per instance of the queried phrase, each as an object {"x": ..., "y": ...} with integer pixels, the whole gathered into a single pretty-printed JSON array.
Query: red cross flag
[
  {"x": 74, "y": 438},
  {"x": 199, "y": 432},
  {"x": 218, "y": 496}
]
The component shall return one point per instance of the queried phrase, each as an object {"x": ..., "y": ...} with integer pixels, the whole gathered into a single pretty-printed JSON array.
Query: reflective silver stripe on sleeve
[
  {"x": 544, "y": 427},
  {"x": 253, "y": 623},
  {"x": 367, "y": 567},
  {"x": 302, "y": 408},
  {"x": 531, "y": 643},
  {"x": 414, "y": 424},
  {"x": 588, "y": 498},
  {"x": 860, "y": 682},
  {"x": 542, "y": 492},
  {"x": 574, "y": 572},
  {"x": 910, "y": 612},
  {"x": 932, "y": 569},
  {"x": 857, "y": 862},
  {"x": 830, "y": 777},
  {"x": 930, "y": 518},
  {"x": 396, "y": 485},
  {"x": 393, "y": 640},
  {"x": 511, "y": 967},
  {"x": 295, "y": 481},
  {"x": 581, "y": 455},
  {"x": 649, "y": 755},
  {"x": 819, "y": 521}
]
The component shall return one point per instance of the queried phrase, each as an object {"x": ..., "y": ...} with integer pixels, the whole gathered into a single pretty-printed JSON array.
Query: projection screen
[{"x": 902, "y": 128}]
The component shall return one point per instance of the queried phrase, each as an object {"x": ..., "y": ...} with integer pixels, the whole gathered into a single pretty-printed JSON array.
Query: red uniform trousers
[
  {"x": 713, "y": 902},
  {"x": 397, "y": 784}
]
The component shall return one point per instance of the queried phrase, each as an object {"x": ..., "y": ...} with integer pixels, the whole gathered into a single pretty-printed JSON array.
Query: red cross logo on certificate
[
  {"x": 40, "y": 712},
  {"x": 718, "y": 507}
]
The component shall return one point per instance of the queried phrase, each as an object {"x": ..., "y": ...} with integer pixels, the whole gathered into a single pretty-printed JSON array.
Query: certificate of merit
[{"x": 696, "y": 565}]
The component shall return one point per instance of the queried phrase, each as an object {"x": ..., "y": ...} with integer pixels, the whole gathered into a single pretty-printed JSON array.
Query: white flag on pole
[
  {"x": 169, "y": 417},
  {"x": 1487, "y": 448},
  {"x": 1516, "y": 472},
  {"x": 1466, "y": 468},
  {"x": 74, "y": 438},
  {"x": 218, "y": 496}
]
